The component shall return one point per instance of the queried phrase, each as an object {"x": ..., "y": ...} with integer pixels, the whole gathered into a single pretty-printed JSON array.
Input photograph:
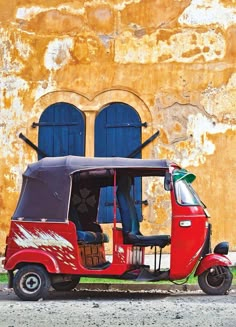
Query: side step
[
  {"x": 146, "y": 275},
  {"x": 150, "y": 276},
  {"x": 100, "y": 266}
]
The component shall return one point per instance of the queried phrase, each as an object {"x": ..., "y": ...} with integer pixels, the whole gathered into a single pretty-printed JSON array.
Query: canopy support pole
[{"x": 114, "y": 200}]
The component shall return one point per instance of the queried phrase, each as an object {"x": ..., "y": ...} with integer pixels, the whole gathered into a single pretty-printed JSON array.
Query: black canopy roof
[
  {"x": 70, "y": 164},
  {"x": 47, "y": 183}
]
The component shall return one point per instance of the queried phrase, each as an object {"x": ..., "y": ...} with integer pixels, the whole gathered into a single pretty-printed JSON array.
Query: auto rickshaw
[{"x": 54, "y": 239}]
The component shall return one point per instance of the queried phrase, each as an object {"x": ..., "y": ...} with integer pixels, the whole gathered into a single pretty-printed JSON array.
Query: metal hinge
[
  {"x": 27, "y": 141},
  {"x": 140, "y": 147},
  {"x": 45, "y": 124},
  {"x": 126, "y": 125}
]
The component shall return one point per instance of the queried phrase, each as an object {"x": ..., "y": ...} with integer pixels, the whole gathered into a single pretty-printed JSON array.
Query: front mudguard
[{"x": 211, "y": 260}]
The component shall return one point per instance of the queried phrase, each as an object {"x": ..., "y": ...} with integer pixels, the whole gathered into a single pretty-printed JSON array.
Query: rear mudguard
[
  {"x": 32, "y": 257},
  {"x": 212, "y": 260}
]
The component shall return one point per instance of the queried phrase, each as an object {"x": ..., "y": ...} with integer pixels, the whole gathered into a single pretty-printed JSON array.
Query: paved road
[{"x": 119, "y": 308}]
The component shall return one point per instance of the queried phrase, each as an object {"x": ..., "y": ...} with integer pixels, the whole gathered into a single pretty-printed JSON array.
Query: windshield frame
[{"x": 185, "y": 194}]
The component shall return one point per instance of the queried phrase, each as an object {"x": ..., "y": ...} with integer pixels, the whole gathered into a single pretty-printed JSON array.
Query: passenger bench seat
[{"x": 129, "y": 218}]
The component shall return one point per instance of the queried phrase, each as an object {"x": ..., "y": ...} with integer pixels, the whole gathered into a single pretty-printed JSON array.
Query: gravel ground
[{"x": 119, "y": 308}]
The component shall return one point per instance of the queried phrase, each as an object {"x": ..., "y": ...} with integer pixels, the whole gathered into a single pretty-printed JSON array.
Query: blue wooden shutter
[
  {"x": 61, "y": 130},
  {"x": 117, "y": 134}
]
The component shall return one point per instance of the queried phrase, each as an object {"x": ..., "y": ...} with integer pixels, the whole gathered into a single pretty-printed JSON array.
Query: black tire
[
  {"x": 31, "y": 283},
  {"x": 216, "y": 280},
  {"x": 66, "y": 286}
]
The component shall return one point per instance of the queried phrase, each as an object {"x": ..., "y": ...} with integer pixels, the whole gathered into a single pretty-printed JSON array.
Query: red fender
[
  {"x": 212, "y": 260},
  {"x": 34, "y": 257}
]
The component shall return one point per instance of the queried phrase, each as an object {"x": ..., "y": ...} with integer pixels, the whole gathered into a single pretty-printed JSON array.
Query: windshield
[{"x": 185, "y": 194}]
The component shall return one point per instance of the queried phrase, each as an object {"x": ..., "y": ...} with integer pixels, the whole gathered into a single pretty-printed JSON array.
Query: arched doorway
[
  {"x": 62, "y": 131},
  {"x": 117, "y": 134}
]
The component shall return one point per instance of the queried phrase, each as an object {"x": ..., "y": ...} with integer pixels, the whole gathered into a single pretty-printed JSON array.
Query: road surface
[{"x": 119, "y": 308}]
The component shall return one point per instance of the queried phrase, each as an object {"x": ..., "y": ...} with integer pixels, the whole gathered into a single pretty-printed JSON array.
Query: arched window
[{"x": 62, "y": 130}]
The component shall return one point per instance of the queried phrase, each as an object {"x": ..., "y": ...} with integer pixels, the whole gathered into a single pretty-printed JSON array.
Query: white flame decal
[{"x": 40, "y": 238}]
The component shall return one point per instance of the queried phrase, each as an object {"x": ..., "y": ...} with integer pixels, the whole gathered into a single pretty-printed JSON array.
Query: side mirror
[{"x": 167, "y": 181}]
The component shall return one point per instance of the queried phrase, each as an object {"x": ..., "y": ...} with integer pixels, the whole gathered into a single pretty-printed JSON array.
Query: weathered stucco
[{"x": 173, "y": 61}]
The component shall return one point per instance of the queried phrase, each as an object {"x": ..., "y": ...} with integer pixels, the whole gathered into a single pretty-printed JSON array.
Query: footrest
[{"x": 100, "y": 266}]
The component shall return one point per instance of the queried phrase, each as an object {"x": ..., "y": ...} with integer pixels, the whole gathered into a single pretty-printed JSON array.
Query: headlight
[{"x": 222, "y": 248}]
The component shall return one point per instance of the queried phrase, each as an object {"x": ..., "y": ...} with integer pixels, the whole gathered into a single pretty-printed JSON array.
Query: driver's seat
[{"x": 129, "y": 218}]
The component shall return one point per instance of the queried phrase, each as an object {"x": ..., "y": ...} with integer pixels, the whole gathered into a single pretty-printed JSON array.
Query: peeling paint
[
  {"x": 183, "y": 46},
  {"x": 7, "y": 63},
  {"x": 58, "y": 53},
  {"x": 26, "y": 13},
  {"x": 120, "y": 5},
  {"x": 45, "y": 87},
  {"x": 200, "y": 127},
  {"x": 11, "y": 85},
  {"x": 24, "y": 49},
  {"x": 220, "y": 101},
  {"x": 210, "y": 12},
  {"x": 195, "y": 147}
]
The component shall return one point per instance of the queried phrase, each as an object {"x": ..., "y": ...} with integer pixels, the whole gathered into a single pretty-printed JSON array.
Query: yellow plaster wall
[{"x": 173, "y": 61}]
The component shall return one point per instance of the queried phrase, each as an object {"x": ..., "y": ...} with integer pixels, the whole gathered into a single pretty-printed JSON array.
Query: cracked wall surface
[{"x": 173, "y": 61}]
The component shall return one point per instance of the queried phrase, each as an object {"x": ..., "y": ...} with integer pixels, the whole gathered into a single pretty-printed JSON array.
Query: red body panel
[
  {"x": 188, "y": 234},
  {"x": 50, "y": 244},
  {"x": 125, "y": 253},
  {"x": 54, "y": 245},
  {"x": 212, "y": 260}
]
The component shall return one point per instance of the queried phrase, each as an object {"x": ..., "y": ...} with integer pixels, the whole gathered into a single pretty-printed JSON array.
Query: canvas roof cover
[{"x": 46, "y": 184}]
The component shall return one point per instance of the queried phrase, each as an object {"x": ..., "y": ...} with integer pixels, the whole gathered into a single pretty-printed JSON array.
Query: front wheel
[
  {"x": 31, "y": 283},
  {"x": 216, "y": 280}
]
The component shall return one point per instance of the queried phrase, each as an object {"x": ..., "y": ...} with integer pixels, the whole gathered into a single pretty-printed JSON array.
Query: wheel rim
[
  {"x": 30, "y": 283},
  {"x": 216, "y": 277}
]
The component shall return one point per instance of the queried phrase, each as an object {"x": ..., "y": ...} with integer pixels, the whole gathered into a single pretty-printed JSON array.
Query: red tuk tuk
[{"x": 54, "y": 240}]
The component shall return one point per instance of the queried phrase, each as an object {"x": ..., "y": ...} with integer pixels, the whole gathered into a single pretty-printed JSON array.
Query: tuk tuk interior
[{"x": 89, "y": 183}]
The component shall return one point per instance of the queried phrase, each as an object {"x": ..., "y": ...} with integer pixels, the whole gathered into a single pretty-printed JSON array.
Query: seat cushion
[
  {"x": 88, "y": 237},
  {"x": 153, "y": 240}
]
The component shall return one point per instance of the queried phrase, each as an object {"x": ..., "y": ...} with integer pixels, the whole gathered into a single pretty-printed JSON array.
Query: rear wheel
[
  {"x": 66, "y": 286},
  {"x": 31, "y": 283},
  {"x": 215, "y": 280}
]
